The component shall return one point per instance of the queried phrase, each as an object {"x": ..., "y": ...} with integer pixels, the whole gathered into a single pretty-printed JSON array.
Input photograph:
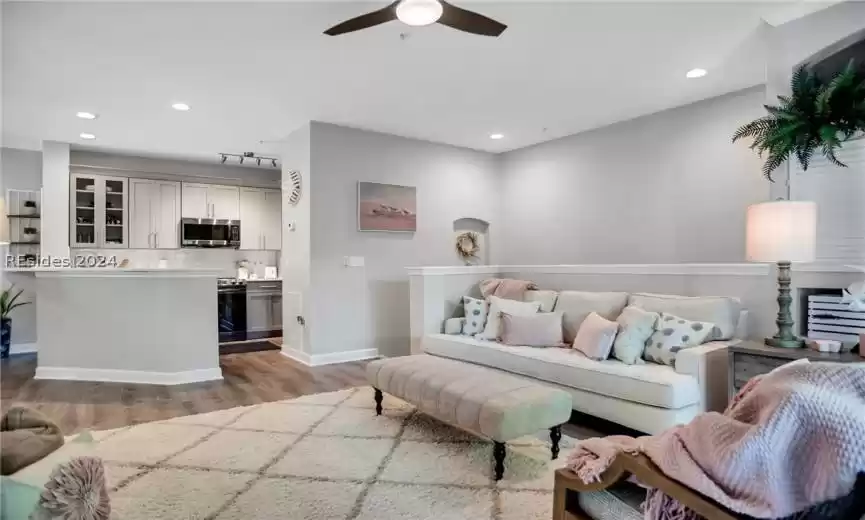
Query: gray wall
[
  {"x": 367, "y": 307},
  {"x": 22, "y": 169},
  {"x": 664, "y": 188}
]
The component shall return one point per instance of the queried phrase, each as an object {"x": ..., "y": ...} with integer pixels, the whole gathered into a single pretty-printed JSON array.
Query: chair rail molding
[{"x": 696, "y": 269}]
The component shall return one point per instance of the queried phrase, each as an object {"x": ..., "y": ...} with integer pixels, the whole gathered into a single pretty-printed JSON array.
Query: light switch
[{"x": 354, "y": 261}]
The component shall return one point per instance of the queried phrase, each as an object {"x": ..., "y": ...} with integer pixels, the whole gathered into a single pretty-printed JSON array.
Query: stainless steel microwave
[{"x": 209, "y": 232}]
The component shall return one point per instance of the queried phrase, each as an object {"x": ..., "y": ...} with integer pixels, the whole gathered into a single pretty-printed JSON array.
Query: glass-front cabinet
[{"x": 99, "y": 208}]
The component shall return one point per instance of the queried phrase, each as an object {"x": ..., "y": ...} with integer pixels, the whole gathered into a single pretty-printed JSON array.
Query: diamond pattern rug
[{"x": 322, "y": 457}]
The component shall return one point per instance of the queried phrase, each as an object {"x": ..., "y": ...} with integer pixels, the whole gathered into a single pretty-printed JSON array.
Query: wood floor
[{"x": 249, "y": 378}]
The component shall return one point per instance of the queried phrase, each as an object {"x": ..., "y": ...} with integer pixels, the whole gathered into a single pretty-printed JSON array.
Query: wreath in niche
[{"x": 468, "y": 246}]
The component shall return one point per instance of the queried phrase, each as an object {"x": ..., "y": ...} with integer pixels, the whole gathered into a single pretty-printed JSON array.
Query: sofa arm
[{"x": 708, "y": 363}]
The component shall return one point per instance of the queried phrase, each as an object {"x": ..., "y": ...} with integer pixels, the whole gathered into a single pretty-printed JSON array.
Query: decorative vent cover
[{"x": 295, "y": 187}]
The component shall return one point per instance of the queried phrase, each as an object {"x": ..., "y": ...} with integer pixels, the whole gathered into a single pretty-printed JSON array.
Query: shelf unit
[
  {"x": 98, "y": 211},
  {"x": 20, "y": 221}
]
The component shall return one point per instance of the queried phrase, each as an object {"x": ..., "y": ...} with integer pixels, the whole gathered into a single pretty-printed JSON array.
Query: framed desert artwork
[{"x": 386, "y": 207}]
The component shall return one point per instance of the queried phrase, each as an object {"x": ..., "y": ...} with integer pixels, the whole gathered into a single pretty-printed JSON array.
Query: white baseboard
[
  {"x": 22, "y": 348},
  {"x": 317, "y": 360},
  {"x": 296, "y": 355},
  {"x": 128, "y": 376}
]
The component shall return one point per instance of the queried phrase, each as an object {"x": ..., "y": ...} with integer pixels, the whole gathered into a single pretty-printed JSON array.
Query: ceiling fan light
[{"x": 419, "y": 12}]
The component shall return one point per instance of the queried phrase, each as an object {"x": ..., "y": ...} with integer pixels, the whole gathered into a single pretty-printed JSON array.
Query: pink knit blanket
[
  {"x": 506, "y": 288},
  {"x": 791, "y": 439}
]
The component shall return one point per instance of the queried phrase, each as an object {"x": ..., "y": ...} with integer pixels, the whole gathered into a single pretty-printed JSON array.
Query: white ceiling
[{"x": 256, "y": 72}]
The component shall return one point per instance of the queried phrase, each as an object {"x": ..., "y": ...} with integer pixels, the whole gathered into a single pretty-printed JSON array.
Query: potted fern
[
  {"x": 8, "y": 302},
  {"x": 819, "y": 116}
]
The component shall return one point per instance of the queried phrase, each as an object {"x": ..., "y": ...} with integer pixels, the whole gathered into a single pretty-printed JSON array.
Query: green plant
[
  {"x": 8, "y": 301},
  {"x": 817, "y": 115}
]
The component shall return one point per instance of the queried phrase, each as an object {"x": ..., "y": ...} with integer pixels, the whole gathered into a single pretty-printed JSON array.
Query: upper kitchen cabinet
[
  {"x": 99, "y": 211},
  {"x": 210, "y": 201},
  {"x": 260, "y": 219},
  {"x": 155, "y": 214}
]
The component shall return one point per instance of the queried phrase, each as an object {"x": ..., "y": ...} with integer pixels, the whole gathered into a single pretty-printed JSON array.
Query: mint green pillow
[{"x": 17, "y": 500}]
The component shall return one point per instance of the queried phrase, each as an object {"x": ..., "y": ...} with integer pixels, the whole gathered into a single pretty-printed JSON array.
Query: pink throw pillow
[
  {"x": 595, "y": 337},
  {"x": 543, "y": 329}
]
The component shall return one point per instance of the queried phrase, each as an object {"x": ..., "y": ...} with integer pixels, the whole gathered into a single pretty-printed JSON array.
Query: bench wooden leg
[
  {"x": 555, "y": 436},
  {"x": 378, "y": 399},
  {"x": 499, "y": 457}
]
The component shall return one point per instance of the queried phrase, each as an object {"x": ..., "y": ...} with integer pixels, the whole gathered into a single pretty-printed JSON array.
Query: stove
[{"x": 230, "y": 282}]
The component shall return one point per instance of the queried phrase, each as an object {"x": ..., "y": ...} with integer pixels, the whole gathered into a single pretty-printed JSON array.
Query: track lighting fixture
[{"x": 223, "y": 157}]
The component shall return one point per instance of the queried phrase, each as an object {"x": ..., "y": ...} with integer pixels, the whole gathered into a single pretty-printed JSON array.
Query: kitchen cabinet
[
  {"x": 272, "y": 220},
  {"x": 155, "y": 214},
  {"x": 99, "y": 211},
  {"x": 210, "y": 201},
  {"x": 260, "y": 219}
]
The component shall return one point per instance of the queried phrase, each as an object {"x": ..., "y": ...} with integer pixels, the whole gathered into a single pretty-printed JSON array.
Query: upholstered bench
[{"x": 480, "y": 400}]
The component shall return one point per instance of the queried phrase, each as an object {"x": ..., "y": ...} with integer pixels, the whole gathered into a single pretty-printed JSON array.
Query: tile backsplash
[{"x": 223, "y": 259}]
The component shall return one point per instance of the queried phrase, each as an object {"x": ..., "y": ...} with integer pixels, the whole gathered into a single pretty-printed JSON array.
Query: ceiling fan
[{"x": 423, "y": 12}]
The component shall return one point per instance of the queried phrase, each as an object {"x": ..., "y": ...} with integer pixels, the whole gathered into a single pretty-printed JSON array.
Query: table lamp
[{"x": 782, "y": 232}]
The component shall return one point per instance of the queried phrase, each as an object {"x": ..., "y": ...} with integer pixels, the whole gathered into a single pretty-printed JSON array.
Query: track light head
[
  {"x": 241, "y": 159},
  {"x": 224, "y": 158},
  {"x": 258, "y": 161},
  {"x": 274, "y": 162}
]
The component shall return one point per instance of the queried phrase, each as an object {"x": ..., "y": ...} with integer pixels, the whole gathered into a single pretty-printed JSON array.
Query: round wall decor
[
  {"x": 294, "y": 187},
  {"x": 468, "y": 246}
]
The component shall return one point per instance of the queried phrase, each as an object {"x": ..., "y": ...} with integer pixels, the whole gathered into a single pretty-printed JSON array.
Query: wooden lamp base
[{"x": 785, "y": 337}]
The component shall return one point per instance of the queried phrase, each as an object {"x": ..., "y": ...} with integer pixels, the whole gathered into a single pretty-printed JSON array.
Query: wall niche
[{"x": 481, "y": 228}]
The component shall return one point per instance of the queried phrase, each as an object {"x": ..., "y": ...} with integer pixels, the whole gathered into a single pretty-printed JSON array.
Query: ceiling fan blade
[
  {"x": 469, "y": 21},
  {"x": 383, "y": 15}
]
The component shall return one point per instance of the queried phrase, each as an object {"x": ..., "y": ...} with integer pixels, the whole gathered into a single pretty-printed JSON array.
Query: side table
[{"x": 750, "y": 358}]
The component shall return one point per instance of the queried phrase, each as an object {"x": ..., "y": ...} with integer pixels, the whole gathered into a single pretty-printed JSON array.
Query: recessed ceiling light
[
  {"x": 87, "y": 136},
  {"x": 497, "y": 136},
  {"x": 86, "y": 115},
  {"x": 696, "y": 73},
  {"x": 183, "y": 107}
]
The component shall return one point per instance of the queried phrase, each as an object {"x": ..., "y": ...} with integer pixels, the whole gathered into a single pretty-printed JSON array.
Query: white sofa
[{"x": 646, "y": 397}]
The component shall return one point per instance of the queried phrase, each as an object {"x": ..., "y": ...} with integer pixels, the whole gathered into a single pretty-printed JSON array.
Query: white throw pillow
[
  {"x": 500, "y": 305},
  {"x": 636, "y": 326},
  {"x": 673, "y": 334},
  {"x": 547, "y": 299},
  {"x": 476, "y": 312},
  {"x": 595, "y": 337}
]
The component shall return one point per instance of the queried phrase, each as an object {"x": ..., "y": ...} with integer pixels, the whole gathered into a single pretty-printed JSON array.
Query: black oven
[{"x": 209, "y": 232}]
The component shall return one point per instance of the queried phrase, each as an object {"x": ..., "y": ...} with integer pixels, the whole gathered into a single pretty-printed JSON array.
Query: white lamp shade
[
  {"x": 782, "y": 231},
  {"x": 4, "y": 223}
]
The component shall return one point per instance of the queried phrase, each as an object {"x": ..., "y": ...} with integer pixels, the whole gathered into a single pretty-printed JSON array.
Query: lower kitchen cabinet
[{"x": 263, "y": 306}]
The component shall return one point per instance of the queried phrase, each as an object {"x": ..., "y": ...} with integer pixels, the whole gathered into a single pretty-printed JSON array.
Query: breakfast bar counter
[{"x": 155, "y": 326}]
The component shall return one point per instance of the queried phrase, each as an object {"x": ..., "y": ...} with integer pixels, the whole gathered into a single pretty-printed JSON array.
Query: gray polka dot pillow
[
  {"x": 476, "y": 315},
  {"x": 673, "y": 334}
]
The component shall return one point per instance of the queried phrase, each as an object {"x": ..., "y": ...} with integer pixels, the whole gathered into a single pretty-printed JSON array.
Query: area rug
[{"x": 322, "y": 457}]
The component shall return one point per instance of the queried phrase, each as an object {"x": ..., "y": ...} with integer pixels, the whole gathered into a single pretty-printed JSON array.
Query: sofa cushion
[
  {"x": 635, "y": 328},
  {"x": 595, "y": 337},
  {"x": 723, "y": 311},
  {"x": 499, "y": 305},
  {"x": 576, "y": 305},
  {"x": 672, "y": 334},
  {"x": 476, "y": 311},
  {"x": 650, "y": 384},
  {"x": 547, "y": 299},
  {"x": 542, "y": 329}
]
